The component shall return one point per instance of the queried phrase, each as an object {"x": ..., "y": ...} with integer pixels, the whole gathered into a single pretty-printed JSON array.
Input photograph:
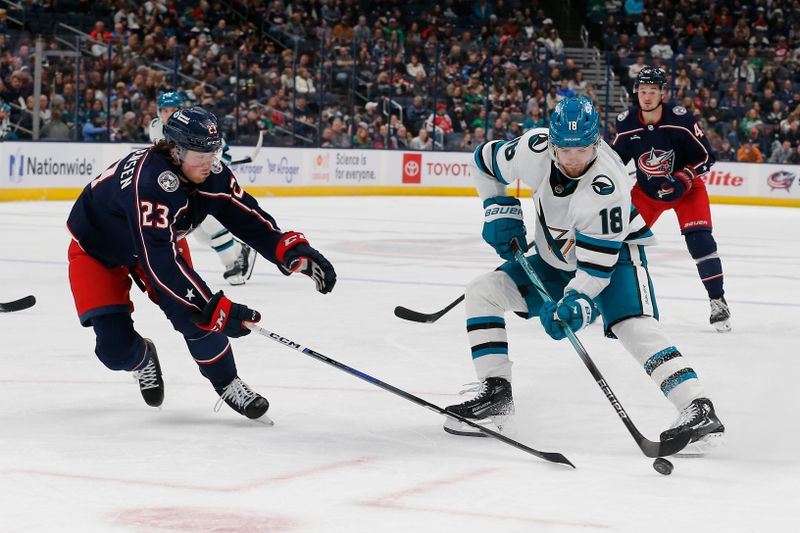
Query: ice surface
[{"x": 80, "y": 451}]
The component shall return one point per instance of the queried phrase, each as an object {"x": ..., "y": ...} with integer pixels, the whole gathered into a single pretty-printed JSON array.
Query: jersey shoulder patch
[
  {"x": 537, "y": 143},
  {"x": 168, "y": 181},
  {"x": 154, "y": 122},
  {"x": 622, "y": 116},
  {"x": 603, "y": 185},
  {"x": 679, "y": 110}
]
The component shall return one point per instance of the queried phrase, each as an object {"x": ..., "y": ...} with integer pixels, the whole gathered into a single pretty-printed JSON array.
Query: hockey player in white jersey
[
  {"x": 590, "y": 254},
  {"x": 237, "y": 257}
]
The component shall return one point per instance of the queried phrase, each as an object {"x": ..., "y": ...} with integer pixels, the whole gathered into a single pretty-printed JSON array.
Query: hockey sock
[
  {"x": 213, "y": 354},
  {"x": 703, "y": 248},
  {"x": 643, "y": 338},
  {"x": 226, "y": 247},
  {"x": 487, "y": 299},
  {"x": 118, "y": 346}
]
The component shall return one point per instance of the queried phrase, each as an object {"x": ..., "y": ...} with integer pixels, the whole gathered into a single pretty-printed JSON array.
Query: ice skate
[
  {"x": 699, "y": 418},
  {"x": 241, "y": 269},
  {"x": 242, "y": 399},
  {"x": 151, "y": 384},
  {"x": 493, "y": 405},
  {"x": 720, "y": 314}
]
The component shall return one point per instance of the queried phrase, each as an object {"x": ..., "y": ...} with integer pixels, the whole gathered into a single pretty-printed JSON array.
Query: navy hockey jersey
[
  {"x": 139, "y": 207},
  {"x": 658, "y": 150}
]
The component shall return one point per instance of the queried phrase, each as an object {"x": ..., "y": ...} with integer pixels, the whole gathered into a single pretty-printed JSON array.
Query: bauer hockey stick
[
  {"x": 553, "y": 457},
  {"x": 648, "y": 447},
  {"x": 17, "y": 305},
  {"x": 251, "y": 158},
  {"x": 428, "y": 318}
]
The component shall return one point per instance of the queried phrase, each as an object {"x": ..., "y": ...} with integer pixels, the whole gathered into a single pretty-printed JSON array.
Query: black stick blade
[
  {"x": 415, "y": 316},
  {"x": 665, "y": 448},
  {"x": 18, "y": 305}
]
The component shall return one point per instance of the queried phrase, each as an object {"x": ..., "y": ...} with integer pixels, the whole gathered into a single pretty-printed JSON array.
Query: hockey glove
[
  {"x": 223, "y": 316},
  {"x": 676, "y": 185},
  {"x": 575, "y": 310},
  {"x": 294, "y": 254},
  {"x": 502, "y": 223}
]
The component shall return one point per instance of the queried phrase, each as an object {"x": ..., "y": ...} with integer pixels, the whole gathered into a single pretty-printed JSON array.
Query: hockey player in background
[
  {"x": 671, "y": 152},
  {"x": 590, "y": 254},
  {"x": 129, "y": 223},
  {"x": 237, "y": 258}
]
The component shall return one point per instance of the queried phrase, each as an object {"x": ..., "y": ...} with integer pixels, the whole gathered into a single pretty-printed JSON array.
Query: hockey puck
[{"x": 663, "y": 466}]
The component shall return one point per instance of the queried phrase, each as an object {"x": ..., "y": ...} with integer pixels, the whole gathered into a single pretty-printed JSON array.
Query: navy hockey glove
[
  {"x": 294, "y": 254},
  {"x": 676, "y": 185},
  {"x": 223, "y": 316},
  {"x": 503, "y": 223},
  {"x": 575, "y": 310}
]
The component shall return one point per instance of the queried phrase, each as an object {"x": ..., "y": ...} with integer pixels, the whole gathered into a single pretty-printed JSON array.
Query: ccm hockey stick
[
  {"x": 648, "y": 447},
  {"x": 416, "y": 316},
  {"x": 251, "y": 158},
  {"x": 553, "y": 457},
  {"x": 17, "y": 305}
]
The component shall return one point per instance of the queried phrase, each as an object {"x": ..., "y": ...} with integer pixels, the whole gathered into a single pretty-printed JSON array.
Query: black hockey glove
[
  {"x": 223, "y": 316},
  {"x": 294, "y": 254}
]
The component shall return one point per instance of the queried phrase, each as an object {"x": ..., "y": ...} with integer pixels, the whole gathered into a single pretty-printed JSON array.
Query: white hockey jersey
[
  {"x": 156, "y": 130},
  {"x": 581, "y": 224}
]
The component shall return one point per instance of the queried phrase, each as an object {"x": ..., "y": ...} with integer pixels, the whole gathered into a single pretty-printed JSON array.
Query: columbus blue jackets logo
[
  {"x": 603, "y": 185},
  {"x": 656, "y": 162},
  {"x": 780, "y": 180},
  {"x": 168, "y": 181}
]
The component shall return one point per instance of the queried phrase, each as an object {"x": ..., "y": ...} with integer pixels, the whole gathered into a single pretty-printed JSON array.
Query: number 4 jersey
[{"x": 581, "y": 224}]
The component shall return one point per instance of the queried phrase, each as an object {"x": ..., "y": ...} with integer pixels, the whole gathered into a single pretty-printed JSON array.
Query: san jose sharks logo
[
  {"x": 557, "y": 238},
  {"x": 657, "y": 162}
]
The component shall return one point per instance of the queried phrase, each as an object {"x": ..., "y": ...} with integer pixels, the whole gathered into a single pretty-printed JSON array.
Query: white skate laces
[
  {"x": 148, "y": 376},
  {"x": 238, "y": 393}
]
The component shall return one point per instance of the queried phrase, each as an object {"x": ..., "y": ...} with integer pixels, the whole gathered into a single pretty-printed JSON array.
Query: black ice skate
[
  {"x": 699, "y": 418},
  {"x": 151, "y": 384},
  {"x": 720, "y": 314},
  {"x": 241, "y": 269},
  {"x": 239, "y": 397},
  {"x": 493, "y": 403}
]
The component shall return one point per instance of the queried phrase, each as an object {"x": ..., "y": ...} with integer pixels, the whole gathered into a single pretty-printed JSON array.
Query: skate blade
[
  {"x": 264, "y": 419},
  {"x": 723, "y": 326},
  {"x": 500, "y": 424},
  {"x": 700, "y": 447}
]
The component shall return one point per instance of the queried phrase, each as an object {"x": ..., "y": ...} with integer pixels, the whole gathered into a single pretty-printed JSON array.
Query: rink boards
[{"x": 58, "y": 171}]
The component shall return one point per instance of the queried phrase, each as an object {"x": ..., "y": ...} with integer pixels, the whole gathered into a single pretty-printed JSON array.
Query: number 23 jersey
[{"x": 581, "y": 224}]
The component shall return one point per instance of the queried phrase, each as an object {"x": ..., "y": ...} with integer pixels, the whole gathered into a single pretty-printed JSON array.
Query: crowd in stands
[
  {"x": 391, "y": 74},
  {"x": 734, "y": 65}
]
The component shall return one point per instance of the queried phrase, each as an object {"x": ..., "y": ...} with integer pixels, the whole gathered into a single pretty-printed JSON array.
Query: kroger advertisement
[{"x": 59, "y": 170}]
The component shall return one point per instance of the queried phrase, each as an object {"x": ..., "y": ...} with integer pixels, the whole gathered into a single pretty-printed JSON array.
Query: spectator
[
  {"x": 781, "y": 151},
  {"x": 94, "y": 131},
  {"x": 56, "y": 129},
  {"x": 726, "y": 152},
  {"x": 415, "y": 67},
  {"x": 339, "y": 136},
  {"x": 422, "y": 141},
  {"x": 662, "y": 50},
  {"x": 749, "y": 153},
  {"x": 794, "y": 159}
]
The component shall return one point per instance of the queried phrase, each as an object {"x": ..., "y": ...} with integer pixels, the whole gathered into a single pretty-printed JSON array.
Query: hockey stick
[
  {"x": 251, "y": 158},
  {"x": 17, "y": 305},
  {"x": 416, "y": 316},
  {"x": 547, "y": 456},
  {"x": 648, "y": 447}
]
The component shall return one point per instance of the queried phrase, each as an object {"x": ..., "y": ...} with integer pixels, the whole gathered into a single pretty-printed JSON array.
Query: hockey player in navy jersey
[
  {"x": 129, "y": 225},
  {"x": 237, "y": 258},
  {"x": 671, "y": 152},
  {"x": 590, "y": 254}
]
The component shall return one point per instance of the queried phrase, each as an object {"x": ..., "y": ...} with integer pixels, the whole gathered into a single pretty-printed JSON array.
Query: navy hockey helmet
[
  {"x": 651, "y": 76},
  {"x": 194, "y": 129}
]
